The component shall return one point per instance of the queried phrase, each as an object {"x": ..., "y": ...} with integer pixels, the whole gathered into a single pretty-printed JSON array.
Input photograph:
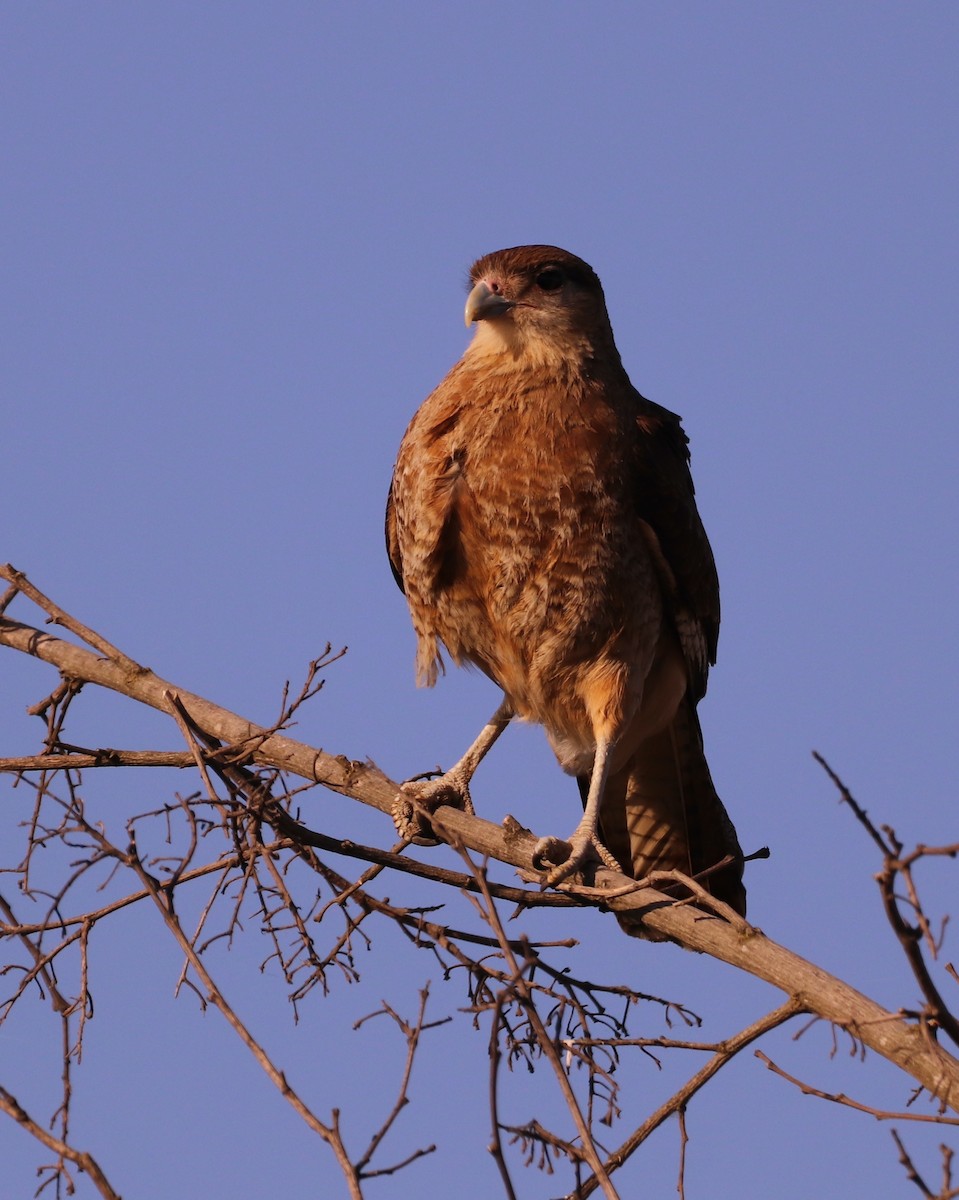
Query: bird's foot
[
  {"x": 566, "y": 858},
  {"x": 418, "y": 799}
]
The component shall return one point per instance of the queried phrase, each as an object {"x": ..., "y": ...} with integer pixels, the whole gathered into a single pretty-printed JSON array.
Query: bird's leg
[
  {"x": 567, "y": 857},
  {"x": 418, "y": 799}
]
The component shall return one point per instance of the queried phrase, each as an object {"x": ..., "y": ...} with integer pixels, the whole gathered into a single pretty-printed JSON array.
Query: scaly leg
[
  {"x": 567, "y": 857},
  {"x": 420, "y": 798}
]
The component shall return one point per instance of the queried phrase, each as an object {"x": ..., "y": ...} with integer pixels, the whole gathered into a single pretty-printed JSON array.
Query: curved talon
[
  {"x": 551, "y": 852},
  {"x": 418, "y": 799},
  {"x": 412, "y": 824},
  {"x": 569, "y": 857},
  {"x": 578, "y": 857}
]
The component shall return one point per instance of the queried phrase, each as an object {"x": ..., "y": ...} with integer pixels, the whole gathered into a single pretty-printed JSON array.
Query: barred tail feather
[{"x": 662, "y": 813}]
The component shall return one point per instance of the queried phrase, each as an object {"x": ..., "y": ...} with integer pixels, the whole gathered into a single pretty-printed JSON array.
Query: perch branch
[{"x": 905, "y": 1044}]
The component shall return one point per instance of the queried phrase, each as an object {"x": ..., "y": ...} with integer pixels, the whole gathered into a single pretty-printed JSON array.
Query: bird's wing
[
  {"x": 666, "y": 504},
  {"x": 393, "y": 542}
]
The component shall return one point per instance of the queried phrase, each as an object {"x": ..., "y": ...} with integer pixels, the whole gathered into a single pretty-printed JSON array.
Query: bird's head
[{"x": 537, "y": 300}]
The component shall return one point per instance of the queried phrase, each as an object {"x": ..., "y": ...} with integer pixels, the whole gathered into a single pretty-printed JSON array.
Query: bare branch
[
  {"x": 412, "y": 1034},
  {"x": 82, "y": 1159},
  {"x": 97, "y": 758},
  {"x": 212, "y": 994},
  {"x": 840, "y": 1098},
  {"x": 895, "y": 865},
  {"x": 683, "y": 1142},
  {"x": 900, "y": 1041},
  {"x": 519, "y": 990},
  {"x": 680, "y": 1100}
]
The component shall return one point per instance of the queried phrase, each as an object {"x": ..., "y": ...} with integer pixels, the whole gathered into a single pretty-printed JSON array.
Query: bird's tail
[{"x": 661, "y": 813}]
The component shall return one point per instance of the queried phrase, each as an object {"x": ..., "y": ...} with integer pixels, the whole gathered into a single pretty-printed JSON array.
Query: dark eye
[{"x": 550, "y": 280}]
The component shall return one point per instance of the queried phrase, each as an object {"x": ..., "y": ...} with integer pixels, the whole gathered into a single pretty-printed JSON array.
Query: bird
[{"x": 542, "y": 523}]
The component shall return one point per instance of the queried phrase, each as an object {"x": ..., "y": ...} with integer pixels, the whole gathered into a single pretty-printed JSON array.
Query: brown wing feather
[
  {"x": 393, "y": 542},
  {"x": 667, "y": 504}
]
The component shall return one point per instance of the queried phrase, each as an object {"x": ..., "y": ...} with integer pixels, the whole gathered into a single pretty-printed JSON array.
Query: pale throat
[{"x": 500, "y": 344}]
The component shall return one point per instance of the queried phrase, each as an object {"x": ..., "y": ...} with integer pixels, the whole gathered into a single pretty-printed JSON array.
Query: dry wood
[{"x": 908, "y": 1045}]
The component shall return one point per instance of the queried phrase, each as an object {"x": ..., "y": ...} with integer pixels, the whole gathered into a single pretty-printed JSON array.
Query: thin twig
[
  {"x": 412, "y": 1034},
  {"x": 83, "y": 1160},
  {"x": 546, "y": 1044},
  {"x": 840, "y": 1098},
  {"x": 683, "y": 1142},
  {"x": 731, "y": 1047},
  {"x": 213, "y": 995},
  {"x": 910, "y": 937}
]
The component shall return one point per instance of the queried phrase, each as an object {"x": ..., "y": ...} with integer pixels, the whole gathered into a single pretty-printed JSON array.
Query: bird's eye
[{"x": 550, "y": 280}]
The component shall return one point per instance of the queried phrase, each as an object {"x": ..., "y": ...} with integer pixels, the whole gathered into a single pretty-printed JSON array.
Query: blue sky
[{"x": 235, "y": 243}]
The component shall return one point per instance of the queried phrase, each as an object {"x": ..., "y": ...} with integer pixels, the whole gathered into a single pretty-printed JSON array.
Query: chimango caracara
[{"x": 543, "y": 526}]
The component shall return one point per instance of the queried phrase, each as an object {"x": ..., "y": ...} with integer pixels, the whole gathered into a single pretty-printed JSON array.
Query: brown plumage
[{"x": 542, "y": 524}]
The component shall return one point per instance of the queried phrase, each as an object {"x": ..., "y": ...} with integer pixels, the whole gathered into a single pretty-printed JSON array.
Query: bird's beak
[{"x": 482, "y": 303}]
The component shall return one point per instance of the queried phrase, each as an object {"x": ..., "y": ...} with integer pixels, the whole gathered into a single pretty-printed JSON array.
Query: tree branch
[
  {"x": 680, "y": 1099},
  {"x": 841, "y": 1098},
  {"x": 81, "y": 1158},
  {"x": 907, "y": 1045}
]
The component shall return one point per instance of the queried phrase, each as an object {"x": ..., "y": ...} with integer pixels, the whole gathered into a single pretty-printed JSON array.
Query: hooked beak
[{"x": 483, "y": 303}]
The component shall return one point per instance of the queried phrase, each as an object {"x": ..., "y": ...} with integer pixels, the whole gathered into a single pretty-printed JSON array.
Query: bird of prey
[{"x": 542, "y": 524}]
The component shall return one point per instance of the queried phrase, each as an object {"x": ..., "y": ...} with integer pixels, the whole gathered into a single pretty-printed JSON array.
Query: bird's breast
[{"x": 523, "y": 556}]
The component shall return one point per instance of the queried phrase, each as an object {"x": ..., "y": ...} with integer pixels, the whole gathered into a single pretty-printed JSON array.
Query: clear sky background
[{"x": 234, "y": 243}]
